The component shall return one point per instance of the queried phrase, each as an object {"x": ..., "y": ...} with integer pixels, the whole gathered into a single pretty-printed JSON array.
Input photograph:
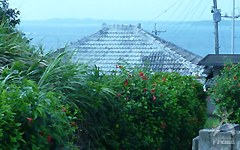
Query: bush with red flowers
[
  {"x": 31, "y": 118},
  {"x": 153, "y": 111},
  {"x": 225, "y": 92}
]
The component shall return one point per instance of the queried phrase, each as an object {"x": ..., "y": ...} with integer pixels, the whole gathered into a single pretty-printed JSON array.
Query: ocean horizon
[{"x": 195, "y": 36}]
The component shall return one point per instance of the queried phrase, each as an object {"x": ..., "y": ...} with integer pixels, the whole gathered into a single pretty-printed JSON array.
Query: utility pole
[
  {"x": 233, "y": 27},
  {"x": 233, "y": 17},
  {"x": 216, "y": 18},
  {"x": 157, "y": 31}
]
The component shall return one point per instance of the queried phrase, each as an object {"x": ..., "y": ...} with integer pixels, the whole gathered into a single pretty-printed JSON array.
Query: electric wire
[
  {"x": 161, "y": 13},
  {"x": 195, "y": 22},
  {"x": 173, "y": 14},
  {"x": 197, "y": 19},
  {"x": 182, "y": 21},
  {"x": 182, "y": 30},
  {"x": 180, "y": 14}
]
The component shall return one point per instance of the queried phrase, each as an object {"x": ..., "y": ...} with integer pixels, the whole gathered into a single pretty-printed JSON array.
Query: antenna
[{"x": 157, "y": 31}]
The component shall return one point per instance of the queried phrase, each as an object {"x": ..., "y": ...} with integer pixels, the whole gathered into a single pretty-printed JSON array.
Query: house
[
  {"x": 136, "y": 46},
  {"x": 214, "y": 63}
]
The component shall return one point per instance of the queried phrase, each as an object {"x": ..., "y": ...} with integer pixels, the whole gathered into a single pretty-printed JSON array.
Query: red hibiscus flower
[
  {"x": 234, "y": 77},
  {"x": 154, "y": 84},
  {"x": 190, "y": 120},
  {"x": 29, "y": 121},
  {"x": 127, "y": 99},
  {"x": 126, "y": 82},
  {"x": 197, "y": 76},
  {"x": 64, "y": 109},
  {"x": 154, "y": 98},
  {"x": 116, "y": 66},
  {"x": 217, "y": 100},
  {"x": 208, "y": 98},
  {"x": 144, "y": 78},
  {"x": 153, "y": 90},
  {"x": 201, "y": 108},
  {"x": 49, "y": 139},
  {"x": 161, "y": 94},
  {"x": 145, "y": 90},
  {"x": 141, "y": 74},
  {"x": 233, "y": 86},
  {"x": 120, "y": 66},
  {"x": 193, "y": 85},
  {"x": 164, "y": 79},
  {"x": 129, "y": 75},
  {"x": 118, "y": 95},
  {"x": 72, "y": 124},
  {"x": 229, "y": 68},
  {"x": 195, "y": 119},
  {"x": 213, "y": 127},
  {"x": 163, "y": 125},
  {"x": 41, "y": 133}
]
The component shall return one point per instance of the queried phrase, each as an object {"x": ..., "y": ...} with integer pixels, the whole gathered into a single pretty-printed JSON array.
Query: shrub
[
  {"x": 225, "y": 93},
  {"x": 151, "y": 111},
  {"x": 8, "y": 15},
  {"x": 31, "y": 118}
]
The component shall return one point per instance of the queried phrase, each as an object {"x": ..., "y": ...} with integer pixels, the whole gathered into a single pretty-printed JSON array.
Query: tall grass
[{"x": 78, "y": 85}]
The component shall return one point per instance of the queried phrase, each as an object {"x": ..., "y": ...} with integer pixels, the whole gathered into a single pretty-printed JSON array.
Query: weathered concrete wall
[{"x": 226, "y": 138}]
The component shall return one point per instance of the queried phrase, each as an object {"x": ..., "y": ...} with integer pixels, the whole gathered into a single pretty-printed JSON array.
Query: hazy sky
[{"x": 163, "y": 10}]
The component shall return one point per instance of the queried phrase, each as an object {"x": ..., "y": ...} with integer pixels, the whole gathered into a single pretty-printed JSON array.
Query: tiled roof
[{"x": 136, "y": 46}]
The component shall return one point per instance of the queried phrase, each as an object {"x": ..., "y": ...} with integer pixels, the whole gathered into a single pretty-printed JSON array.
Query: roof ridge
[
  {"x": 86, "y": 38},
  {"x": 170, "y": 43}
]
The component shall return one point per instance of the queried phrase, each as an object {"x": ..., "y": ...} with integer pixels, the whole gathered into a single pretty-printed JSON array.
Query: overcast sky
[{"x": 160, "y": 10}]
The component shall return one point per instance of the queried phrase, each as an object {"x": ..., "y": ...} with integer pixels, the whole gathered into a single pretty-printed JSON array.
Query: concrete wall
[{"x": 212, "y": 139}]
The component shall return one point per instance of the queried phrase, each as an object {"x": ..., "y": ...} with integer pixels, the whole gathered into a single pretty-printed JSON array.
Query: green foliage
[
  {"x": 8, "y": 15},
  {"x": 167, "y": 115},
  {"x": 211, "y": 122},
  {"x": 41, "y": 85},
  {"x": 225, "y": 93},
  {"x": 15, "y": 47},
  {"x": 30, "y": 116}
]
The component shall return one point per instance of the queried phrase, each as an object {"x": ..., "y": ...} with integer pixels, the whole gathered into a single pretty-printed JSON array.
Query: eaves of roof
[{"x": 219, "y": 59}]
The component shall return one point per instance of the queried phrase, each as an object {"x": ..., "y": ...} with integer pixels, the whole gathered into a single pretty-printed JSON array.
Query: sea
[{"x": 195, "y": 36}]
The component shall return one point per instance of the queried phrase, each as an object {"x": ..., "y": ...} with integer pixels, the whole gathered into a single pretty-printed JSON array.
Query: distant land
[{"x": 54, "y": 21}]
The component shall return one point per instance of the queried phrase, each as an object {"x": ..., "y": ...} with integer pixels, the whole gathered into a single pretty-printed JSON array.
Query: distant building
[{"x": 136, "y": 46}]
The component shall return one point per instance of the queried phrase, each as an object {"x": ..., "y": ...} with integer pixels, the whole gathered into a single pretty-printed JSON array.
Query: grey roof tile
[{"x": 136, "y": 46}]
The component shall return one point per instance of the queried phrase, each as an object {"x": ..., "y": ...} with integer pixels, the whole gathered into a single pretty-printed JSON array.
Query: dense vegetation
[
  {"x": 225, "y": 93},
  {"x": 51, "y": 103}
]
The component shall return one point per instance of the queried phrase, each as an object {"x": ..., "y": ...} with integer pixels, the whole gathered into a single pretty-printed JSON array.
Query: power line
[
  {"x": 161, "y": 13},
  {"x": 190, "y": 10},
  {"x": 197, "y": 18},
  {"x": 180, "y": 14},
  {"x": 194, "y": 24},
  {"x": 173, "y": 14}
]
